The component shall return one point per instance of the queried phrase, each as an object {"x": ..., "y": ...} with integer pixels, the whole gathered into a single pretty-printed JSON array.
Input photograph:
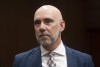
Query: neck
[{"x": 53, "y": 46}]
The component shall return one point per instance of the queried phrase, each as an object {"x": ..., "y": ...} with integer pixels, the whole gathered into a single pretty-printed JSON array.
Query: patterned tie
[{"x": 51, "y": 62}]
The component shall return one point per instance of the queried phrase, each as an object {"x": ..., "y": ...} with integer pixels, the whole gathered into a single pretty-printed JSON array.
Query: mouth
[{"x": 43, "y": 35}]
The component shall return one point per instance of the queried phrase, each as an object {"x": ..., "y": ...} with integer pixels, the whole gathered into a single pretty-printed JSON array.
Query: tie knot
[{"x": 51, "y": 53}]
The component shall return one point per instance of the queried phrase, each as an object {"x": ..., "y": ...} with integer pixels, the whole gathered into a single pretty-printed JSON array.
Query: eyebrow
[
  {"x": 36, "y": 21},
  {"x": 44, "y": 19},
  {"x": 48, "y": 19}
]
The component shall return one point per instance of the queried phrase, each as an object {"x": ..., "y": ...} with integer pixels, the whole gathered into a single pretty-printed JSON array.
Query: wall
[{"x": 17, "y": 33}]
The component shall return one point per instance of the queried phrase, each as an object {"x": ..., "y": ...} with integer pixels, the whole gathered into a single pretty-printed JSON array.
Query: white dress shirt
[{"x": 60, "y": 56}]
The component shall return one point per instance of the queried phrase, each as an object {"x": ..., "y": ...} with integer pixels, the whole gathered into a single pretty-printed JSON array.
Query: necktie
[{"x": 51, "y": 62}]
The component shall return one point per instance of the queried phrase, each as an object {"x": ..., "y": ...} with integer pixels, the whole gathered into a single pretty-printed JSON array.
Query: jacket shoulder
[
  {"x": 22, "y": 57},
  {"x": 26, "y": 53},
  {"x": 82, "y": 58},
  {"x": 79, "y": 54}
]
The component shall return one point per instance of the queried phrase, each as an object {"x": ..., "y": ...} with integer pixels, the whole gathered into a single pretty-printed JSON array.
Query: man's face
[{"x": 47, "y": 27}]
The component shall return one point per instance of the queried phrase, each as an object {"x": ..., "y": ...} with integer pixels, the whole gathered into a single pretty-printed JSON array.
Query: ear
[{"x": 62, "y": 25}]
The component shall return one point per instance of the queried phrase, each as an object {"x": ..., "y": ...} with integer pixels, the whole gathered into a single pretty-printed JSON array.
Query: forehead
[{"x": 44, "y": 13}]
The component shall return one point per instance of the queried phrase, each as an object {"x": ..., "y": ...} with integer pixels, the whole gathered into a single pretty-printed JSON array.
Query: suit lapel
[
  {"x": 71, "y": 58},
  {"x": 35, "y": 58}
]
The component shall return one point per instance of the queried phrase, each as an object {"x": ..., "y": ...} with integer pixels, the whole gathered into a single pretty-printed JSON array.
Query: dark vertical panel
[{"x": 94, "y": 43}]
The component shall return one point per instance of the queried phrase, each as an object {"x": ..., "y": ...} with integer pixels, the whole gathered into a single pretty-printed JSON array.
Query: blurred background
[{"x": 82, "y": 31}]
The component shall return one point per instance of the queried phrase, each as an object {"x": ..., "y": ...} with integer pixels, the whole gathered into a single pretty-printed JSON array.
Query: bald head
[{"x": 49, "y": 9}]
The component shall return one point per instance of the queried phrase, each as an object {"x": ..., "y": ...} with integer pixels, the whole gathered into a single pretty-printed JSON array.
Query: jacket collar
[{"x": 71, "y": 57}]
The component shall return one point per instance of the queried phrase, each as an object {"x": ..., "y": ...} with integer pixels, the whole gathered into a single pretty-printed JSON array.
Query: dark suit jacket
[{"x": 32, "y": 58}]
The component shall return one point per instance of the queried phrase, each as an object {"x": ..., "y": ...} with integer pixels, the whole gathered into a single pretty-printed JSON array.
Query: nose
[{"x": 42, "y": 27}]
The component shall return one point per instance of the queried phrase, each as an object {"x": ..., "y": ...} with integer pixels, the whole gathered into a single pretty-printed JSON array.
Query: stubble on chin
[{"x": 46, "y": 42}]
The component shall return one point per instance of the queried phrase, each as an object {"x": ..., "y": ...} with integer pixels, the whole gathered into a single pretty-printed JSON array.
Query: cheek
[
  {"x": 36, "y": 31},
  {"x": 54, "y": 29}
]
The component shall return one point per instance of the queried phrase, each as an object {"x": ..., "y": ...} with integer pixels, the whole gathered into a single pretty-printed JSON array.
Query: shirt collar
[
  {"x": 43, "y": 51},
  {"x": 59, "y": 50}
]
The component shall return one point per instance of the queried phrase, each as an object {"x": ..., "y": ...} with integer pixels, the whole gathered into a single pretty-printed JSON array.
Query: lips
[{"x": 43, "y": 35}]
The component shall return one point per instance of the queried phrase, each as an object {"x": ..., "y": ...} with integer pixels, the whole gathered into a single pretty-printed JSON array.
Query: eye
[
  {"x": 36, "y": 22},
  {"x": 48, "y": 20}
]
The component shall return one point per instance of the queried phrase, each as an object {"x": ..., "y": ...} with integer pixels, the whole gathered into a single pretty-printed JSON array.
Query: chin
[{"x": 45, "y": 43}]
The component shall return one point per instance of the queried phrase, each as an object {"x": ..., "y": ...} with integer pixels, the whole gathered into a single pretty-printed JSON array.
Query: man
[{"x": 48, "y": 25}]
